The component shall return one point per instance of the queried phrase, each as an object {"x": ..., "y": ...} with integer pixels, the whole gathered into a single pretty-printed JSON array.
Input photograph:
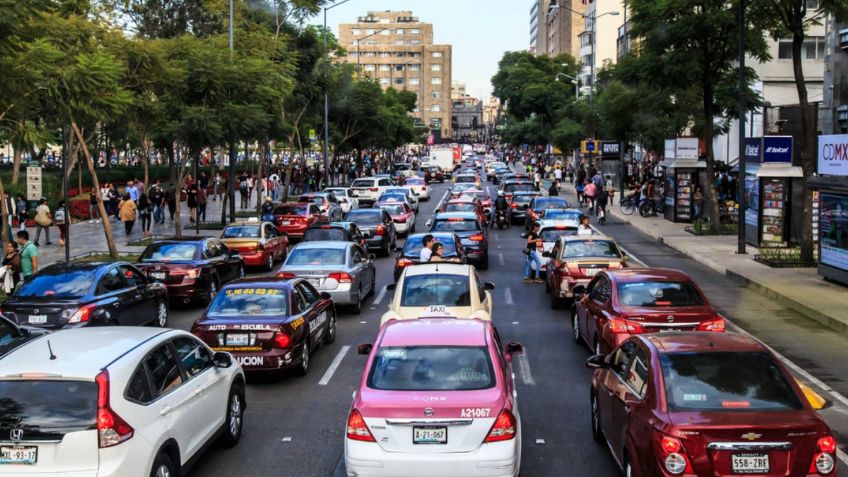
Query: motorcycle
[{"x": 501, "y": 219}]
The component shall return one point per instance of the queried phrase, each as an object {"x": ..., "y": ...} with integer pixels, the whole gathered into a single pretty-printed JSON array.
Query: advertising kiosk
[
  {"x": 832, "y": 186},
  {"x": 769, "y": 177},
  {"x": 682, "y": 174}
]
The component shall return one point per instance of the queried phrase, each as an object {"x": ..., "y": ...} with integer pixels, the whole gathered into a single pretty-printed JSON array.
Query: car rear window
[
  {"x": 316, "y": 256},
  {"x": 658, "y": 294},
  {"x": 591, "y": 248},
  {"x": 241, "y": 231},
  {"x": 743, "y": 381},
  {"x": 519, "y": 188},
  {"x": 553, "y": 214},
  {"x": 522, "y": 199},
  {"x": 290, "y": 210},
  {"x": 315, "y": 199},
  {"x": 393, "y": 209},
  {"x": 395, "y": 196},
  {"x": 461, "y": 187},
  {"x": 456, "y": 225},
  {"x": 48, "y": 407},
  {"x": 365, "y": 217},
  {"x": 413, "y": 246},
  {"x": 466, "y": 179},
  {"x": 464, "y": 207},
  {"x": 165, "y": 252},
  {"x": 57, "y": 284},
  {"x": 249, "y": 302},
  {"x": 363, "y": 183},
  {"x": 431, "y": 368},
  {"x": 436, "y": 289},
  {"x": 549, "y": 203},
  {"x": 415, "y": 181},
  {"x": 552, "y": 234},
  {"x": 313, "y": 235}
]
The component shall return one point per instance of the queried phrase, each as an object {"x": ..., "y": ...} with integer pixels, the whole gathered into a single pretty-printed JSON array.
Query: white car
[
  {"x": 440, "y": 289},
  {"x": 411, "y": 196},
  {"x": 345, "y": 197},
  {"x": 369, "y": 189},
  {"x": 491, "y": 167},
  {"x": 419, "y": 187},
  {"x": 116, "y": 402}
]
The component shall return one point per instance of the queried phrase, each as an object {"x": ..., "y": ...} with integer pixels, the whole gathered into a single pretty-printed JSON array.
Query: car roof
[
  {"x": 77, "y": 266},
  {"x": 700, "y": 342},
  {"x": 430, "y": 268},
  {"x": 370, "y": 210},
  {"x": 434, "y": 332},
  {"x": 526, "y": 192},
  {"x": 552, "y": 224},
  {"x": 79, "y": 352},
  {"x": 631, "y": 275},
  {"x": 456, "y": 215},
  {"x": 388, "y": 202},
  {"x": 588, "y": 238},
  {"x": 334, "y": 244},
  {"x": 294, "y": 204},
  {"x": 192, "y": 238},
  {"x": 449, "y": 235}
]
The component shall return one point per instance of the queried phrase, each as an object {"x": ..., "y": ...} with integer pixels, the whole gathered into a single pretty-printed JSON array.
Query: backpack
[{"x": 59, "y": 217}]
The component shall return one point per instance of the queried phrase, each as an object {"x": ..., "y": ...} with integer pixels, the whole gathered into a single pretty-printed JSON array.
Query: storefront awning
[
  {"x": 683, "y": 164},
  {"x": 769, "y": 169}
]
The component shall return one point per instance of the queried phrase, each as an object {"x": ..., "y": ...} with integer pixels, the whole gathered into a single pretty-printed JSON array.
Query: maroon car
[
  {"x": 294, "y": 218},
  {"x": 268, "y": 324},
  {"x": 619, "y": 303},
  {"x": 192, "y": 268},
  {"x": 680, "y": 404}
]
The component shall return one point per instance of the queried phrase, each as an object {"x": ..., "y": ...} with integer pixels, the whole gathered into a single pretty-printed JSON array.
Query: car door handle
[
  {"x": 628, "y": 410},
  {"x": 165, "y": 410},
  {"x": 198, "y": 390},
  {"x": 138, "y": 297}
]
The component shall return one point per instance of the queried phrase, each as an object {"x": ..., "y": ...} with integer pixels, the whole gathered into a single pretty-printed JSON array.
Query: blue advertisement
[
  {"x": 752, "y": 149},
  {"x": 777, "y": 149}
]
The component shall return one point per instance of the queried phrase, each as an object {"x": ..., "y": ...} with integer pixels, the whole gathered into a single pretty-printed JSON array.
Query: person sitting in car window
[{"x": 426, "y": 249}]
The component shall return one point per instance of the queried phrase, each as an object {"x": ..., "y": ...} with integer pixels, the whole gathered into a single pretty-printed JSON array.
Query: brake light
[
  {"x": 619, "y": 326},
  {"x": 503, "y": 429},
  {"x": 341, "y": 277},
  {"x": 827, "y": 444},
  {"x": 477, "y": 237},
  {"x": 716, "y": 325},
  {"x": 357, "y": 430},
  {"x": 82, "y": 315},
  {"x": 373, "y": 189},
  {"x": 672, "y": 454},
  {"x": 823, "y": 462},
  {"x": 111, "y": 428},
  {"x": 381, "y": 230},
  {"x": 513, "y": 205},
  {"x": 282, "y": 340},
  {"x": 192, "y": 272},
  {"x": 285, "y": 275},
  {"x": 403, "y": 262}
]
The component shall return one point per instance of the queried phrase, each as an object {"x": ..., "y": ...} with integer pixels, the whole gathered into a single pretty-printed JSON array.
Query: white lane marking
[
  {"x": 363, "y": 322},
  {"x": 497, "y": 237},
  {"x": 333, "y": 366},
  {"x": 380, "y": 295},
  {"x": 501, "y": 261},
  {"x": 524, "y": 368},
  {"x": 508, "y": 296},
  {"x": 842, "y": 456},
  {"x": 514, "y": 322}
]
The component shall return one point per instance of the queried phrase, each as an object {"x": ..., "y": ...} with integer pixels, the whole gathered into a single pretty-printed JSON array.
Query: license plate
[
  {"x": 749, "y": 463},
  {"x": 240, "y": 339},
  {"x": 157, "y": 275},
  {"x": 668, "y": 330},
  {"x": 591, "y": 272},
  {"x": 18, "y": 455},
  {"x": 314, "y": 281},
  {"x": 38, "y": 319},
  {"x": 430, "y": 435},
  {"x": 287, "y": 222}
]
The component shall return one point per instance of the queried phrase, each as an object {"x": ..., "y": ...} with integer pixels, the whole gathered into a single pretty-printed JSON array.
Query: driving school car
[{"x": 268, "y": 324}]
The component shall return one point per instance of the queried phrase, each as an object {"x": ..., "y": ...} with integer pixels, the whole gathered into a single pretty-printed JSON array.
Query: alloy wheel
[
  {"x": 162, "y": 315},
  {"x": 234, "y": 416},
  {"x": 163, "y": 471}
]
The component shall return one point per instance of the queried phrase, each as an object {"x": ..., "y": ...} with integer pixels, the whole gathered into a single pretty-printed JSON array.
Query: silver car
[
  {"x": 345, "y": 197},
  {"x": 343, "y": 269}
]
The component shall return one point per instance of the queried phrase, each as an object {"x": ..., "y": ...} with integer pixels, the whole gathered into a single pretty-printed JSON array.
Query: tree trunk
[
  {"x": 4, "y": 214},
  {"x": 146, "y": 162},
  {"x": 806, "y": 146},
  {"x": 107, "y": 224},
  {"x": 178, "y": 229},
  {"x": 709, "y": 191},
  {"x": 16, "y": 166},
  {"x": 172, "y": 171}
]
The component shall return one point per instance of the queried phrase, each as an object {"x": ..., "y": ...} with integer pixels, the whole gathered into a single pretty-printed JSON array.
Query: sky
[{"x": 479, "y": 30}]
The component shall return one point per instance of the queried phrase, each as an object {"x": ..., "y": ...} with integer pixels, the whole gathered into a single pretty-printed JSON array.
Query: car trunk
[
  {"x": 458, "y": 420},
  {"x": 676, "y": 318},
  {"x": 316, "y": 274},
  {"x": 289, "y": 220},
  {"x": 42, "y": 312},
  {"x": 169, "y": 273},
  {"x": 244, "y": 246},
  {"x": 734, "y": 443},
  {"x": 238, "y": 334},
  {"x": 589, "y": 267}
]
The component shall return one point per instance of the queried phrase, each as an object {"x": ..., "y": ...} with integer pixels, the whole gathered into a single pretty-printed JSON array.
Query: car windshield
[
  {"x": 241, "y": 231},
  {"x": 290, "y": 210},
  {"x": 393, "y": 209},
  {"x": 552, "y": 234},
  {"x": 466, "y": 179},
  {"x": 512, "y": 188},
  {"x": 167, "y": 252},
  {"x": 717, "y": 382},
  {"x": 249, "y": 302},
  {"x": 57, "y": 283},
  {"x": 455, "y": 225},
  {"x": 364, "y": 217},
  {"x": 413, "y": 246},
  {"x": 523, "y": 199},
  {"x": 42, "y": 406},
  {"x": 431, "y": 368},
  {"x": 436, "y": 289},
  {"x": 315, "y": 199},
  {"x": 543, "y": 203},
  {"x": 316, "y": 256},
  {"x": 591, "y": 248},
  {"x": 361, "y": 183},
  {"x": 461, "y": 207},
  {"x": 658, "y": 294},
  {"x": 333, "y": 233},
  {"x": 337, "y": 192}
]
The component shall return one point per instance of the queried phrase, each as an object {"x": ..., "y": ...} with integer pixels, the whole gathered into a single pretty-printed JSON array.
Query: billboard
[
  {"x": 833, "y": 155},
  {"x": 686, "y": 148},
  {"x": 833, "y": 230}
]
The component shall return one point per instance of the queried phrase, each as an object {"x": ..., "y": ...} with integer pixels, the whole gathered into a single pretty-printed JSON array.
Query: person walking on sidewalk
[
  {"x": 145, "y": 210},
  {"x": 171, "y": 198},
  {"x": 191, "y": 188},
  {"x": 127, "y": 212},
  {"x": 11, "y": 267},
  {"x": 29, "y": 254},
  {"x": 23, "y": 215},
  {"x": 698, "y": 202},
  {"x": 216, "y": 194},
  {"x": 201, "y": 203},
  {"x": 60, "y": 218},
  {"x": 114, "y": 200},
  {"x": 43, "y": 220},
  {"x": 92, "y": 207},
  {"x": 157, "y": 200}
]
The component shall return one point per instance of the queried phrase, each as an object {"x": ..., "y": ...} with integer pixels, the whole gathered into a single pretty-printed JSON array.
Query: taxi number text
[{"x": 474, "y": 412}]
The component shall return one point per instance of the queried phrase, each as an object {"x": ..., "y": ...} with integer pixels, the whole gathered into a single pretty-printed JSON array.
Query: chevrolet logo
[
  {"x": 428, "y": 411},
  {"x": 751, "y": 436}
]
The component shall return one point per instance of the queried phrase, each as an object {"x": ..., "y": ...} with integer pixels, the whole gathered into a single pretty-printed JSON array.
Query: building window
[
  {"x": 400, "y": 54},
  {"x": 385, "y": 68},
  {"x": 385, "y": 81},
  {"x": 398, "y": 42},
  {"x": 371, "y": 42},
  {"x": 436, "y": 108},
  {"x": 356, "y": 32},
  {"x": 414, "y": 42},
  {"x": 436, "y": 67},
  {"x": 414, "y": 31},
  {"x": 437, "y": 54},
  {"x": 436, "y": 80},
  {"x": 398, "y": 80},
  {"x": 399, "y": 31},
  {"x": 415, "y": 67},
  {"x": 369, "y": 31},
  {"x": 812, "y": 48},
  {"x": 385, "y": 54},
  {"x": 437, "y": 94},
  {"x": 413, "y": 81},
  {"x": 369, "y": 54},
  {"x": 370, "y": 67},
  {"x": 353, "y": 54}
]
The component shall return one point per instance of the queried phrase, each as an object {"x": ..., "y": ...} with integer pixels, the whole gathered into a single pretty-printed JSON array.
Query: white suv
[
  {"x": 115, "y": 402},
  {"x": 369, "y": 189}
]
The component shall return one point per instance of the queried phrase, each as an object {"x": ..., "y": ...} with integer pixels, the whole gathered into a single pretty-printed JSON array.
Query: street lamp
[
  {"x": 359, "y": 54},
  {"x": 573, "y": 80},
  {"x": 326, "y": 95}
]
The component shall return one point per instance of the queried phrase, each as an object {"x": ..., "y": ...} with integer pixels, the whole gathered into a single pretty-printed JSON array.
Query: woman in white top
[{"x": 584, "y": 228}]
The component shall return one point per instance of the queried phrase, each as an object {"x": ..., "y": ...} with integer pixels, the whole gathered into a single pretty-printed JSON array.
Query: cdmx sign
[{"x": 833, "y": 155}]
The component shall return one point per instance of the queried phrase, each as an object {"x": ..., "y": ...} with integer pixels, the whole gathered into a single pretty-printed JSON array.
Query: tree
[{"x": 693, "y": 42}]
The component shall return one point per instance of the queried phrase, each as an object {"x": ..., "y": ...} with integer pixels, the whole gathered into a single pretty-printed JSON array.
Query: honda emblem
[{"x": 16, "y": 434}]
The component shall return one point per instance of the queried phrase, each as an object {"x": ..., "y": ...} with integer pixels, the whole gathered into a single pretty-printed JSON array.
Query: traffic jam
[{"x": 94, "y": 382}]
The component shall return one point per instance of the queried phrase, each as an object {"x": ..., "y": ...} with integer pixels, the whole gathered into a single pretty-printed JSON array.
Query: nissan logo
[
  {"x": 428, "y": 411},
  {"x": 670, "y": 318},
  {"x": 16, "y": 434}
]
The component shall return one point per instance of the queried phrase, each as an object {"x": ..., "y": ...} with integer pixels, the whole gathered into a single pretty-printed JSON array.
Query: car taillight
[
  {"x": 111, "y": 428},
  {"x": 823, "y": 462},
  {"x": 672, "y": 455},
  {"x": 357, "y": 430},
  {"x": 282, "y": 340},
  {"x": 503, "y": 429},
  {"x": 404, "y": 262},
  {"x": 82, "y": 315},
  {"x": 618, "y": 326},
  {"x": 192, "y": 272},
  {"x": 717, "y": 325},
  {"x": 477, "y": 237},
  {"x": 285, "y": 275},
  {"x": 373, "y": 189},
  {"x": 341, "y": 277},
  {"x": 381, "y": 230},
  {"x": 513, "y": 205}
]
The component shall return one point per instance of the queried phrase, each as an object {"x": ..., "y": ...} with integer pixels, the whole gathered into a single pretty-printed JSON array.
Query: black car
[
  {"x": 343, "y": 231},
  {"x": 472, "y": 234},
  {"x": 12, "y": 335},
  {"x": 377, "y": 227},
  {"x": 518, "y": 206},
  {"x": 539, "y": 204},
  {"x": 73, "y": 294},
  {"x": 411, "y": 252},
  {"x": 193, "y": 268}
]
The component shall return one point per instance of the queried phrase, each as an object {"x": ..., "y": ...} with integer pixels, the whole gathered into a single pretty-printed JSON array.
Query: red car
[
  {"x": 575, "y": 260},
  {"x": 401, "y": 213},
  {"x": 331, "y": 210},
  {"x": 619, "y": 303},
  {"x": 258, "y": 243},
  {"x": 482, "y": 196},
  {"x": 466, "y": 204},
  {"x": 294, "y": 218},
  {"x": 434, "y": 173},
  {"x": 677, "y": 404}
]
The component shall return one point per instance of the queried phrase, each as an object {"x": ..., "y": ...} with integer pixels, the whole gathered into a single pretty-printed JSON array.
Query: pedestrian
[
  {"x": 132, "y": 191},
  {"x": 609, "y": 186},
  {"x": 244, "y": 190},
  {"x": 139, "y": 187},
  {"x": 267, "y": 211},
  {"x": 145, "y": 210},
  {"x": 190, "y": 189},
  {"x": 29, "y": 254},
  {"x": 558, "y": 174},
  {"x": 21, "y": 206},
  {"x": 217, "y": 184},
  {"x": 157, "y": 201},
  {"x": 589, "y": 192},
  {"x": 580, "y": 187},
  {"x": 171, "y": 199},
  {"x": 104, "y": 196},
  {"x": 426, "y": 251},
  {"x": 61, "y": 219},
  {"x": 601, "y": 201},
  {"x": 201, "y": 202},
  {"x": 698, "y": 202},
  {"x": 584, "y": 228},
  {"x": 11, "y": 272},
  {"x": 92, "y": 206},
  {"x": 128, "y": 211},
  {"x": 554, "y": 189},
  {"x": 114, "y": 199},
  {"x": 43, "y": 220},
  {"x": 530, "y": 250}
]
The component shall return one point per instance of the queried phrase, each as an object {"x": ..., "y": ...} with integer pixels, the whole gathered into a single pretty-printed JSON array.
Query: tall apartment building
[
  {"x": 599, "y": 38},
  {"x": 538, "y": 27},
  {"x": 554, "y": 25},
  {"x": 397, "y": 49}
]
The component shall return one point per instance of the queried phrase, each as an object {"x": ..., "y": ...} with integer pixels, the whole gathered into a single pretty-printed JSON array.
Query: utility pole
[
  {"x": 740, "y": 183},
  {"x": 231, "y": 167},
  {"x": 65, "y": 193}
]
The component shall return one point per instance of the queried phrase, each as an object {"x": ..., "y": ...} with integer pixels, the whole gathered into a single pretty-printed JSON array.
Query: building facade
[
  {"x": 467, "y": 114},
  {"x": 564, "y": 20},
  {"x": 398, "y": 51},
  {"x": 599, "y": 38},
  {"x": 538, "y": 27}
]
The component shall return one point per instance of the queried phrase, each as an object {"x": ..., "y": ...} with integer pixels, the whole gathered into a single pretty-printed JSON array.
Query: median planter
[{"x": 782, "y": 258}]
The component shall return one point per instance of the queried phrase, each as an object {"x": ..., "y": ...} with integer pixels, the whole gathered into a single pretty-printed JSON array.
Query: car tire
[
  {"x": 595, "y": 416},
  {"x": 303, "y": 367},
  {"x": 330, "y": 335},
  {"x": 213, "y": 289},
  {"x": 357, "y": 307},
  {"x": 234, "y": 417},
  {"x": 161, "y": 314},
  {"x": 163, "y": 466},
  {"x": 241, "y": 270},
  {"x": 270, "y": 265},
  {"x": 484, "y": 264},
  {"x": 575, "y": 326}
]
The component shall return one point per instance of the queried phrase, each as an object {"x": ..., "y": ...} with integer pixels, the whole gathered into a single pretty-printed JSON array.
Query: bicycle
[
  {"x": 651, "y": 208},
  {"x": 629, "y": 205}
]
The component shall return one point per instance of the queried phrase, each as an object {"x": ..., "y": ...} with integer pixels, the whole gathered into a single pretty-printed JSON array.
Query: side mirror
[
  {"x": 24, "y": 332},
  {"x": 364, "y": 348},
  {"x": 597, "y": 361},
  {"x": 514, "y": 348},
  {"x": 428, "y": 223},
  {"x": 579, "y": 290},
  {"x": 488, "y": 286},
  {"x": 222, "y": 359},
  {"x": 326, "y": 296},
  {"x": 391, "y": 286}
]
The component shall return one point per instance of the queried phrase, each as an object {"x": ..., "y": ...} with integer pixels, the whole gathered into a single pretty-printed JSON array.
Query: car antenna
[{"x": 50, "y": 349}]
